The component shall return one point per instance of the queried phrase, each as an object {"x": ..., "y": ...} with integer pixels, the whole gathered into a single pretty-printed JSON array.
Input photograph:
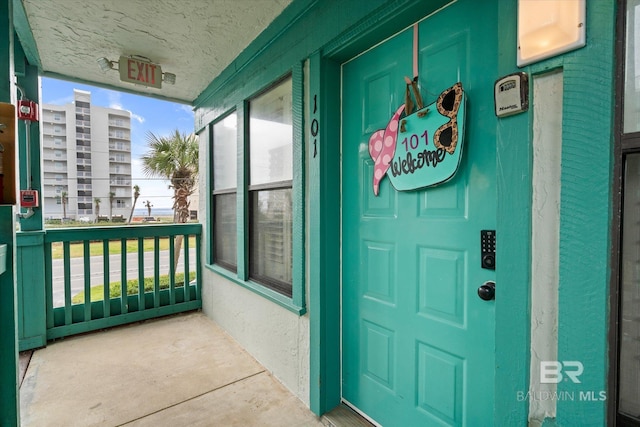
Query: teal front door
[{"x": 417, "y": 341}]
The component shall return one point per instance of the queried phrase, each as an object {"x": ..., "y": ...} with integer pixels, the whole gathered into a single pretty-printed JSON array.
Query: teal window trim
[
  {"x": 242, "y": 194},
  {"x": 299, "y": 167},
  {"x": 296, "y": 303},
  {"x": 207, "y": 232}
]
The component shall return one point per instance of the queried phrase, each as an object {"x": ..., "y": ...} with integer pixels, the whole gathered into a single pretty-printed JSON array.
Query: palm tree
[
  {"x": 97, "y": 202},
  {"x": 64, "y": 200},
  {"x": 136, "y": 194},
  {"x": 176, "y": 158},
  {"x": 112, "y": 196}
]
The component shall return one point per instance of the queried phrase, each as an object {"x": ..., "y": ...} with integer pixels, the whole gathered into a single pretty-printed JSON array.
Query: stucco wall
[{"x": 276, "y": 337}]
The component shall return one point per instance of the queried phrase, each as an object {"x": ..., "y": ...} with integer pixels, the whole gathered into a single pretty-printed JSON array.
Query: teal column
[
  {"x": 9, "y": 403},
  {"x": 585, "y": 213},
  {"x": 324, "y": 234},
  {"x": 27, "y": 76},
  {"x": 32, "y": 328},
  {"x": 9, "y": 400}
]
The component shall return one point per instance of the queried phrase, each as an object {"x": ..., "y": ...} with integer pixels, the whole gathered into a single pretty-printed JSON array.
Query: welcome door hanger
[{"x": 422, "y": 148}]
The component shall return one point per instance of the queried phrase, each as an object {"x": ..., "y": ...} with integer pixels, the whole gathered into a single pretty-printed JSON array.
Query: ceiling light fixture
[
  {"x": 169, "y": 78},
  {"x": 105, "y": 64}
]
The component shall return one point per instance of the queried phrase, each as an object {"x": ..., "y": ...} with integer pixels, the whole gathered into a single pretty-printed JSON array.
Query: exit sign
[{"x": 140, "y": 72}]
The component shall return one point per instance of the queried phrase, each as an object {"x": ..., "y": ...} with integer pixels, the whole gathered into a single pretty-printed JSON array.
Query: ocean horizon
[{"x": 154, "y": 212}]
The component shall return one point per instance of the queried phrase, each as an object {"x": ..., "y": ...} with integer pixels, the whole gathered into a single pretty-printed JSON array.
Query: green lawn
[
  {"x": 95, "y": 248},
  {"x": 97, "y": 292}
]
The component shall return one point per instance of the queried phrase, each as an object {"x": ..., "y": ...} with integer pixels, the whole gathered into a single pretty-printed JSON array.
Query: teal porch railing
[{"x": 123, "y": 297}]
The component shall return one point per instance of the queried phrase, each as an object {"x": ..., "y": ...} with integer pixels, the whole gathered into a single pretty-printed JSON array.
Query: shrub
[{"x": 97, "y": 292}]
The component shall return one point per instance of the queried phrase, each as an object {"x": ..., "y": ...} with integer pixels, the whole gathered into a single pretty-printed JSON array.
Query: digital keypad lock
[{"x": 488, "y": 249}]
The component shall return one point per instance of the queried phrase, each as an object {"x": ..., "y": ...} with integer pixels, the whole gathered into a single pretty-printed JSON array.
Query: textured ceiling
[{"x": 193, "y": 39}]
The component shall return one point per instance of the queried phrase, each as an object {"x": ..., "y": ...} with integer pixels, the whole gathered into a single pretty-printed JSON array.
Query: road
[{"x": 97, "y": 273}]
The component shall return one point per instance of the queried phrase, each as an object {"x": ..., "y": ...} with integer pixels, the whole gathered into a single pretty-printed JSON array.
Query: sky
[{"x": 147, "y": 115}]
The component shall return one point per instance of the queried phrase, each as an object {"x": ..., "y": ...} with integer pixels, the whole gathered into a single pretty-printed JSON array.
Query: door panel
[{"x": 418, "y": 343}]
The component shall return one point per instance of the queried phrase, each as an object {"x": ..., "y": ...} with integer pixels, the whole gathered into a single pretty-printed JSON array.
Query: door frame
[
  {"x": 324, "y": 213},
  {"x": 623, "y": 144}
]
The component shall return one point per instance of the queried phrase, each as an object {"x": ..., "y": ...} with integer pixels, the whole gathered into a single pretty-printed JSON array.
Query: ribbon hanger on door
[
  {"x": 419, "y": 148},
  {"x": 413, "y": 83}
]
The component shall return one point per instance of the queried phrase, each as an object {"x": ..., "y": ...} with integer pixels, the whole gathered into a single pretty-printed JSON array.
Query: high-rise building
[{"x": 86, "y": 157}]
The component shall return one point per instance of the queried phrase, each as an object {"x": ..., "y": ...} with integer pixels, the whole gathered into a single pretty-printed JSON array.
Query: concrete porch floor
[{"x": 176, "y": 371}]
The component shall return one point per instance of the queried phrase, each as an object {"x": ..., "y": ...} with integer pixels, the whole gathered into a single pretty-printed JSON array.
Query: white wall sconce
[
  {"x": 548, "y": 28},
  {"x": 105, "y": 64},
  {"x": 169, "y": 78}
]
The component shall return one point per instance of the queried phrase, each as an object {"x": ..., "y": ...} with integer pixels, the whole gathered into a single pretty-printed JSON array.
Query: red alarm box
[
  {"x": 29, "y": 198},
  {"x": 27, "y": 110}
]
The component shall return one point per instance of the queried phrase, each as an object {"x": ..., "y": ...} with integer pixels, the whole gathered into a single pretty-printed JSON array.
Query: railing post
[
  {"x": 156, "y": 272},
  {"x": 172, "y": 270},
  {"x": 198, "y": 267},
  {"x": 106, "y": 297},
  {"x": 141, "y": 305},
  {"x": 87, "y": 281},
  {"x": 48, "y": 283},
  {"x": 187, "y": 292},
  {"x": 66, "y": 254},
  {"x": 124, "y": 296}
]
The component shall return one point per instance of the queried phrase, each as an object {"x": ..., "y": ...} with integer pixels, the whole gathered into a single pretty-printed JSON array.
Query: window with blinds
[
  {"x": 629, "y": 364},
  {"x": 225, "y": 146},
  {"x": 270, "y": 188}
]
